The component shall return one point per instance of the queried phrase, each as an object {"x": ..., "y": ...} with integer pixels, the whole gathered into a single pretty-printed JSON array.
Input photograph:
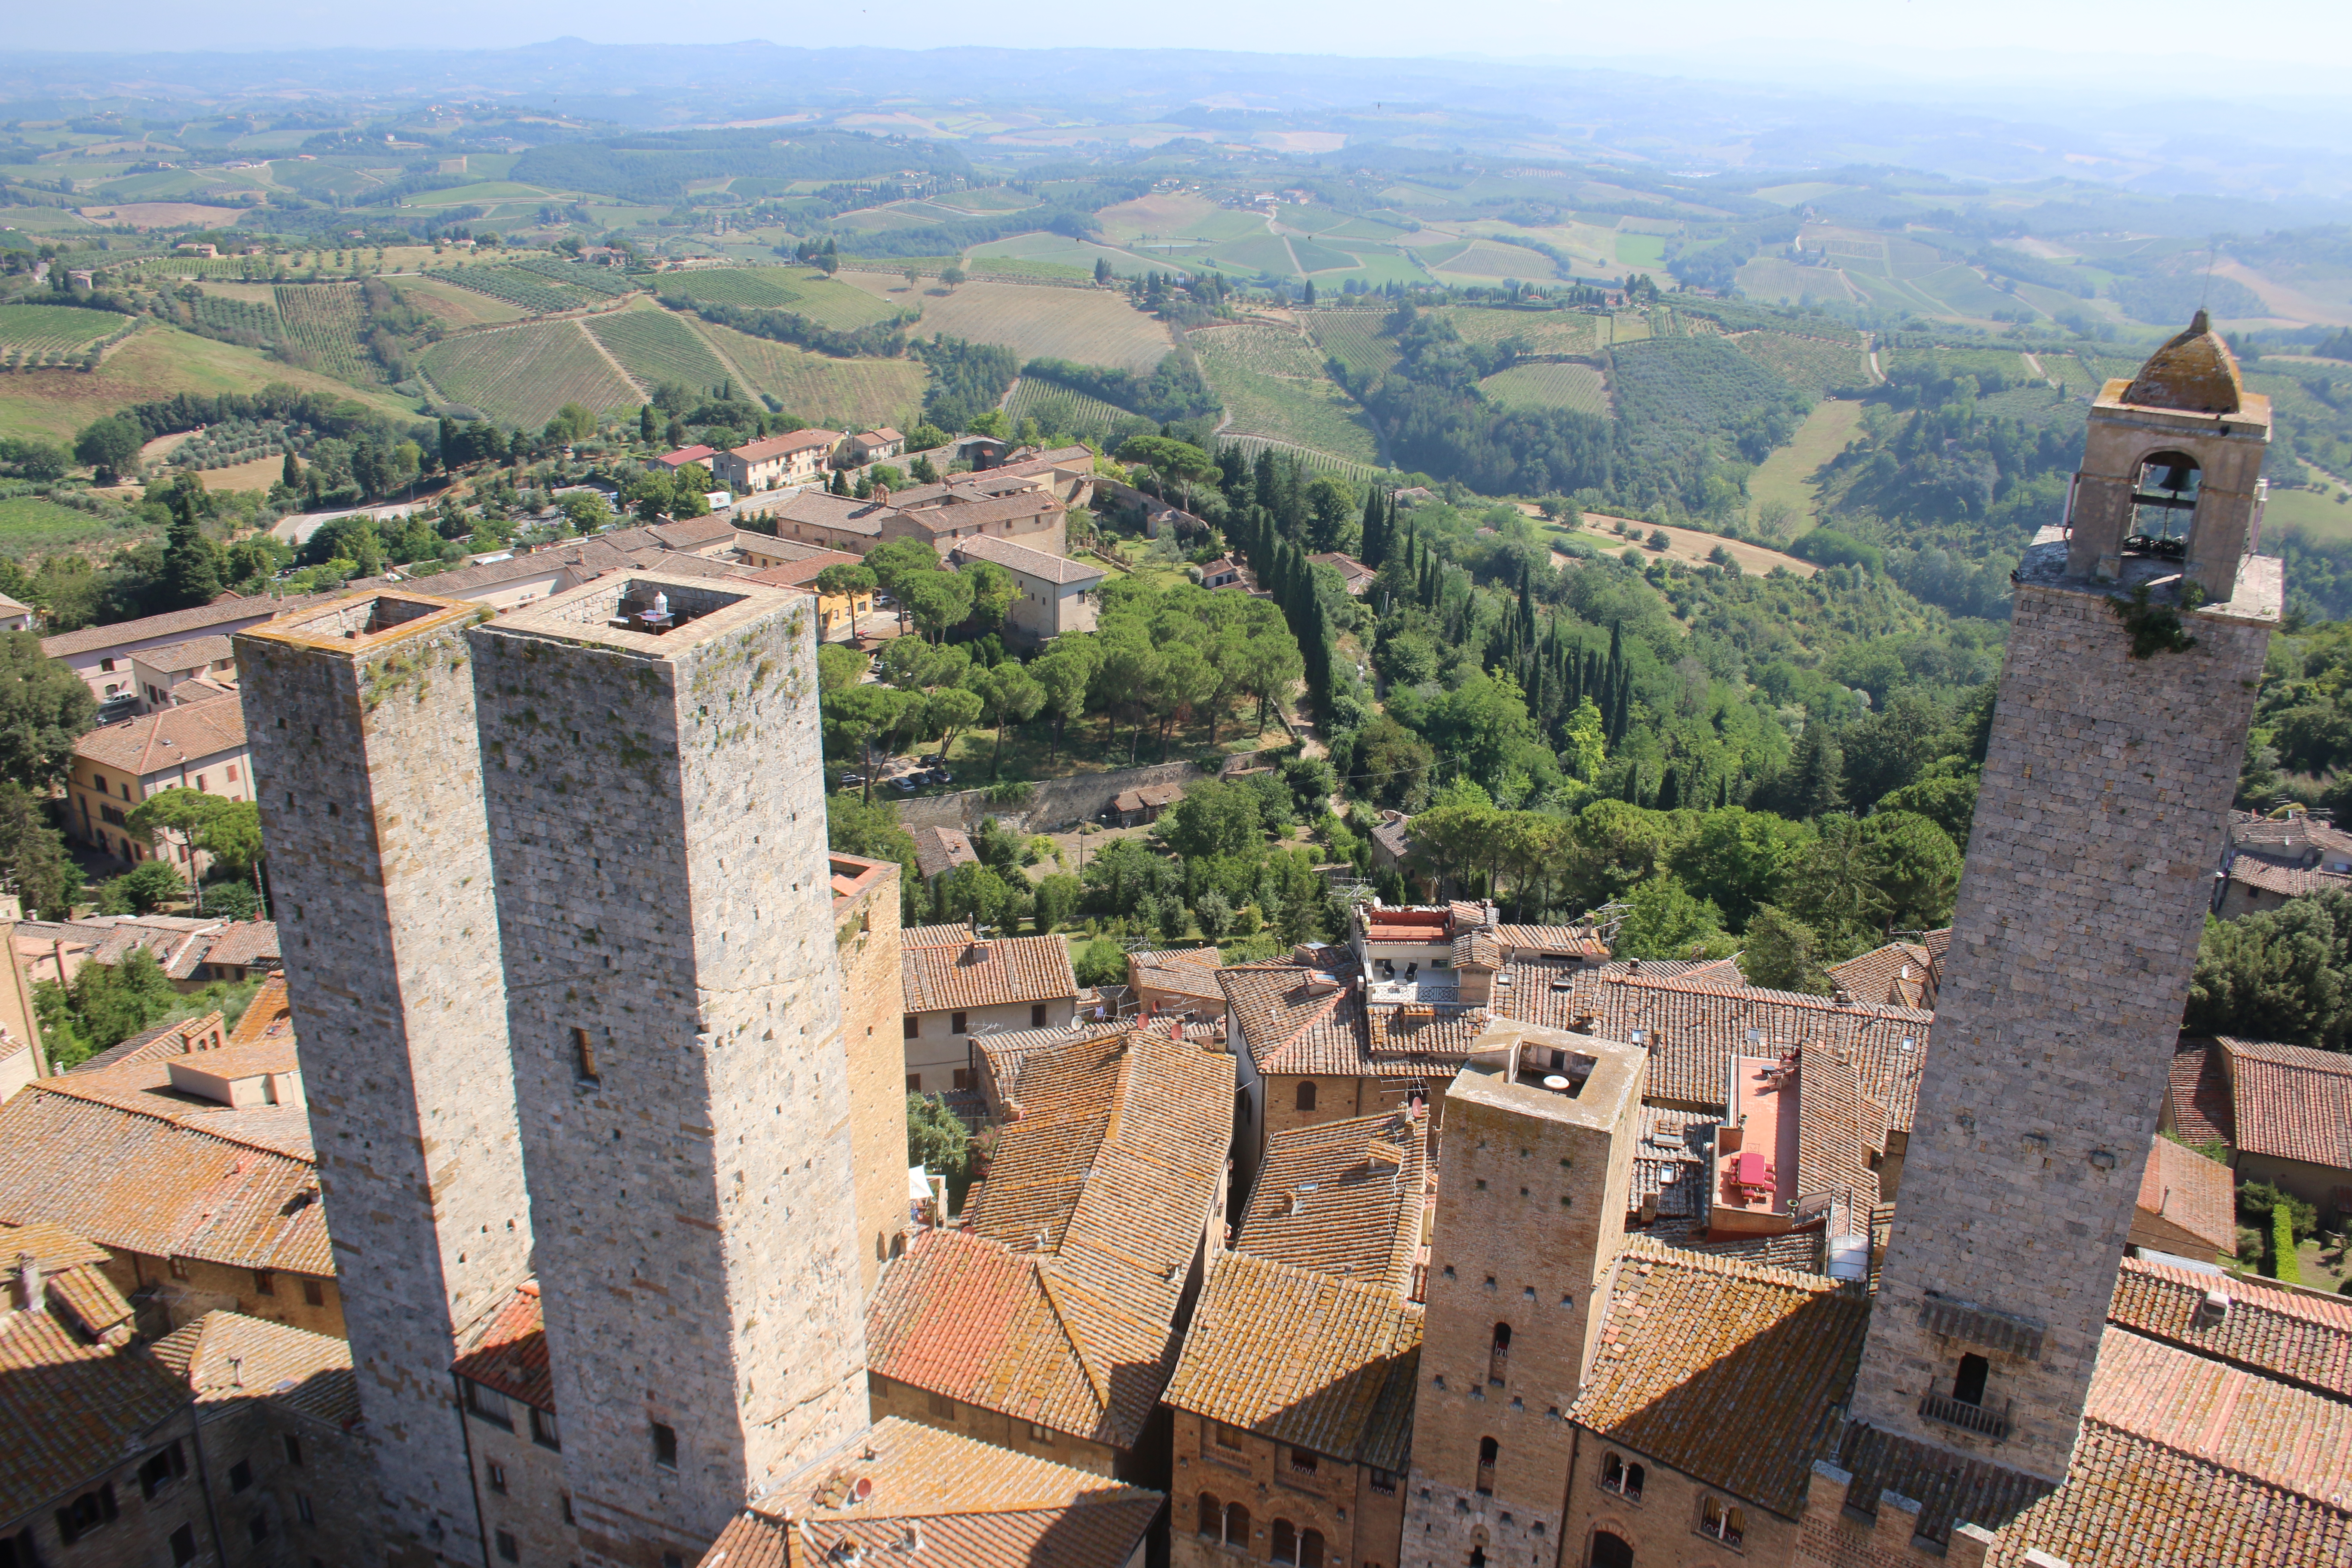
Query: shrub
[
  {"x": 1828, "y": 547},
  {"x": 1104, "y": 962},
  {"x": 140, "y": 890},
  {"x": 1658, "y": 540},
  {"x": 2283, "y": 1261}
]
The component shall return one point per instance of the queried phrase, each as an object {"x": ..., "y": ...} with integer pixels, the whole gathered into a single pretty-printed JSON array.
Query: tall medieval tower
[
  {"x": 2134, "y": 654},
  {"x": 369, "y": 779},
  {"x": 654, "y": 808},
  {"x": 1539, "y": 1131}
]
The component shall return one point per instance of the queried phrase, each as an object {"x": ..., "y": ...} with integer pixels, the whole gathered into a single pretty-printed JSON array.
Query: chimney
[
  {"x": 979, "y": 952},
  {"x": 28, "y": 1282}
]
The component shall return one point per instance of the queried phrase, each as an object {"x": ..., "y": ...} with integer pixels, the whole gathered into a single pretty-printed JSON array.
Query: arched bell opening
[{"x": 2163, "y": 505}]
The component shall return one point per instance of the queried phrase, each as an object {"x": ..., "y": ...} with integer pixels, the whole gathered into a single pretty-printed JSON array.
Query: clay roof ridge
[
  {"x": 1645, "y": 1249},
  {"x": 62, "y": 1083},
  {"x": 1096, "y": 1379},
  {"x": 1762, "y": 993}
]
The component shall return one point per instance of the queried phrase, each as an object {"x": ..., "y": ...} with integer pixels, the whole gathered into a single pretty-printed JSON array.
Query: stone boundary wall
[{"x": 1058, "y": 804}]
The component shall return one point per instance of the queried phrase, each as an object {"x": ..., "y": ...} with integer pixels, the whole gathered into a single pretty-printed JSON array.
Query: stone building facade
[
  {"x": 2104, "y": 801},
  {"x": 654, "y": 807},
  {"x": 1540, "y": 1135},
  {"x": 866, "y": 937},
  {"x": 370, "y": 784}
]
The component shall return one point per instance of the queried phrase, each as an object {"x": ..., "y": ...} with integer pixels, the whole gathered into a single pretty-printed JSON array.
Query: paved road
[{"x": 298, "y": 526}]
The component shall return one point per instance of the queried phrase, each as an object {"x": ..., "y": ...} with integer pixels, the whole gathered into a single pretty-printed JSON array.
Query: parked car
[
  {"x": 852, "y": 781},
  {"x": 910, "y": 782},
  {"x": 934, "y": 761},
  {"x": 941, "y": 775}
]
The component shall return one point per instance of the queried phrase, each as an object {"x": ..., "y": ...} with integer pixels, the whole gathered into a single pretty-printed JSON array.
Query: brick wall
[
  {"x": 524, "y": 1488},
  {"x": 371, "y": 796},
  {"x": 1359, "y": 1527},
  {"x": 655, "y": 809},
  {"x": 1661, "y": 1524},
  {"x": 2104, "y": 800}
]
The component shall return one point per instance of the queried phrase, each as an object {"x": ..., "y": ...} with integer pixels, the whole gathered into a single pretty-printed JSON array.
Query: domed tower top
[{"x": 2193, "y": 373}]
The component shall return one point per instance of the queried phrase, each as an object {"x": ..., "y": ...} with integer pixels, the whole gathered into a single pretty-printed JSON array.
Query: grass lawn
[
  {"x": 2317, "y": 516},
  {"x": 1785, "y": 476},
  {"x": 32, "y": 526},
  {"x": 52, "y": 404}
]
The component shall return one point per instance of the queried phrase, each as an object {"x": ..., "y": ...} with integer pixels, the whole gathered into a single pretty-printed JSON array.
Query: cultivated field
[
  {"x": 1178, "y": 216},
  {"x": 1319, "y": 461},
  {"x": 1486, "y": 259},
  {"x": 1776, "y": 277},
  {"x": 521, "y": 375},
  {"x": 1550, "y": 384},
  {"x": 1273, "y": 385},
  {"x": 1091, "y": 326},
  {"x": 1071, "y": 258},
  {"x": 1812, "y": 365},
  {"x": 1353, "y": 337},
  {"x": 325, "y": 322},
  {"x": 457, "y": 307},
  {"x": 759, "y": 288},
  {"x": 845, "y": 303},
  {"x": 1058, "y": 410},
  {"x": 1547, "y": 331},
  {"x": 1786, "y": 475},
  {"x": 156, "y": 362},
  {"x": 656, "y": 346},
  {"x": 537, "y": 295},
  {"x": 35, "y": 334},
  {"x": 851, "y": 393},
  {"x": 163, "y": 215},
  {"x": 31, "y": 526}
]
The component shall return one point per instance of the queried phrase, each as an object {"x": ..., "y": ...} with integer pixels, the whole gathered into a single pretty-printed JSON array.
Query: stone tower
[
  {"x": 2104, "y": 799},
  {"x": 655, "y": 806},
  {"x": 369, "y": 779},
  {"x": 1539, "y": 1131}
]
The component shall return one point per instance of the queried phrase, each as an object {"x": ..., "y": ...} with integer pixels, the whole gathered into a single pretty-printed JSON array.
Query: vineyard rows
[
  {"x": 1059, "y": 411},
  {"x": 1320, "y": 461},
  {"x": 841, "y": 393},
  {"x": 327, "y": 321},
  {"x": 1673, "y": 390},
  {"x": 251, "y": 318},
  {"x": 55, "y": 334},
  {"x": 523, "y": 375},
  {"x": 609, "y": 282},
  {"x": 1265, "y": 350},
  {"x": 754, "y": 289},
  {"x": 1812, "y": 365},
  {"x": 1353, "y": 337},
  {"x": 654, "y": 346},
  {"x": 528, "y": 289},
  {"x": 1547, "y": 331},
  {"x": 1546, "y": 383},
  {"x": 1273, "y": 384}
]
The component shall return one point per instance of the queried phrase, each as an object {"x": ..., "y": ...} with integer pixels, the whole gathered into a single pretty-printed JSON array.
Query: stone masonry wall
[
  {"x": 1530, "y": 1218},
  {"x": 656, "y": 812},
  {"x": 2104, "y": 798},
  {"x": 369, "y": 788},
  {"x": 865, "y": 938}
]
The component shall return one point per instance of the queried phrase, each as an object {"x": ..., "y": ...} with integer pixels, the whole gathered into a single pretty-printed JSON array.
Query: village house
[
  {"x": 1050, "y": 1319},
  {"x": 192, "y": 950},
  {"x": 963, "y": 984},
  {"x": 939, "y": 850},
  {"x": 836, "y": 613},
  {"x": 1182, "y": 981},
  {"x": 2284, "y": 1112},
  {"x": 1052, "y": 593},
  {"x": 1354, "y": 576},
  {"x": 514, "y": 1441},
  {"x": 102, "y": 656},
  {"x": 872, "y": 447},
  {"x": 675, "y": 460},
  {"x": 115, "y": 766},
  {"x": 1142, "y": 805},
  {"x": 181, "y": 673},
  {"x": 2188, "y": 1206},
  {"x": 940, "y": 515},
  {"x": 774, "y": 462},
  {"x": 15, "y": 615}
]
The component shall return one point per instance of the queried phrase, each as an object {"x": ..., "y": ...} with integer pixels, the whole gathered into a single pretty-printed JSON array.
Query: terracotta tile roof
[
  {"x": 72, "y": 1411},
  {"x": 1320, "y": 1363},
  {"x": 1184, "y": 972},
  {"x": 1900, "y": 974},
  {"x": 2197, "y": 1097},
  {"x": 1477, "y": 948},
  {"x": 956, "y": 512},
  {"x": 1396, "y": 837},
  {"x": 1149, "y": 795},
  {"x": 975, "y": 1505},
  {"x": 153, "y": 1179},
  {"x": 144, "y": 1087},
  {"x": 939, "y": 851},
  {"x": 1016, "y": 969},
  {"x": 1059, "y": 1305},
  {"x": 1008, "y": 1053},
  {"x": 693, "y": 532},
  {"x": 955, "y": 935},
  {"x": 2192, "y": 1192},
  {"x": 840, "y": 513},
  {"x": 804, "y": 571},
  {"x": 1729, "y": 1372},
  {"x": 1553, "y": 941},
  {"x": 1692, "y": 1028},
  {"x": 773, "y": 447},
  {"x": 1801, "y": 1251},
  {"x": 2286, "y": 881},
  {"x": 2289, "y": 838},
  {"x": 220, "y": 612},
  {"x": 54, "y": 1247},
  {"x": 2289, "y": 1335},
  {"x": 90, "y": 1299},
  {"x": 197, "y": 653},
  {"x": 166, "y": 741},
  {"x": 1042, "y": 566},
  {"x": 2234, "y": 1419},
  {"x": 2292, "y": 1103},
  {"x": 226, "y": 1356},
  {"x": 1838, "y": 1128},
  {"x": 1343, "y": 1198},
  {"x": 248, "y": 944},
  {"x": 158, "y": 1044},
  {"x": 269, "y": 1015},
  {"x": 1294, "y": 1027},
  {"x": 507, "y": 1350},
  {"x": 684, "y": 455}
]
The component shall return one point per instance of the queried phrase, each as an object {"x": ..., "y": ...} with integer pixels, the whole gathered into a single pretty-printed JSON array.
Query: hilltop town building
[{"x": 201, "y": 746}]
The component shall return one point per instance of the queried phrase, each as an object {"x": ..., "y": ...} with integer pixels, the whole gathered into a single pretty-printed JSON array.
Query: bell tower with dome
[{"x": 2135, "y": 649}]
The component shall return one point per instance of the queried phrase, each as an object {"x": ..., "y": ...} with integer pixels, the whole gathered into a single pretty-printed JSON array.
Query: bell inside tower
[{"x": 2163, "y": 505}]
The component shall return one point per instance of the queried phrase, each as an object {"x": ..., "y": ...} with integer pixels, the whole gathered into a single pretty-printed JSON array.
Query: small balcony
[{"x": 1981, "y": 1419}]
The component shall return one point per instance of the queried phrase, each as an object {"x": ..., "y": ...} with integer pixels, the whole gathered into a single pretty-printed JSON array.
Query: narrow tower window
[
  {"x": 1489, "y": 1452},
  {"x": 1969, "y": 1387},
  {"x": 664, "y": 1447},
  {"x": 583, "y": 1057},
  {"x": 1499, "y": 1357}
]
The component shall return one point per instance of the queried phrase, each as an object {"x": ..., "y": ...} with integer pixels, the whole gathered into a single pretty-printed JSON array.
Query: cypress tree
[{"x": 1669, "y": 791}]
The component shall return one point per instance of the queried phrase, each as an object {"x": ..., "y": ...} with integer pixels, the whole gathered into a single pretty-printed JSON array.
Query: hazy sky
[{"x": 2294, "y": 45}]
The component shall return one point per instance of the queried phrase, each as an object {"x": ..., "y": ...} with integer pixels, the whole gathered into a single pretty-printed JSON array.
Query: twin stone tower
[{"x": 557, "y": 918}]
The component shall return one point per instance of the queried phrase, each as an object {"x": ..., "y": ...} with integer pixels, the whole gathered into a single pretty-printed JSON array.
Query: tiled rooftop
[
  {"x": 2292, "y": 1103},
  {"x": 2291, "y": 1335},
  {"x": 1899, "y": 974},
  {"x": 1295, "y": 1355},
  {"x": 1058, "y": 1305},
  {"x": 2200, "y": 1094},
  {"x": 70, "y": 1409},
  {"x": 974, "y": 1505},
  {"x": 2192, "y": 1192},
  {"x": 1344, "y": 1198},
  {"x": 1015, "y": 969},
  {"x": 228, "y": 607},
  {"x": 1731, "y": 1373},
  {"x": 1297, "y": 1025},
  {"x": 506, "y": 1351},
  {"x": 163, "y": 741},
  {"x": 225, "y": 1356},
  {"x": 2286, "y": 881}
]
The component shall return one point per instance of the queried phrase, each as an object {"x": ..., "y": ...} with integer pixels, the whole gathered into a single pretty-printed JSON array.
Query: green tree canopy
[{"x": 45, "y": 708}]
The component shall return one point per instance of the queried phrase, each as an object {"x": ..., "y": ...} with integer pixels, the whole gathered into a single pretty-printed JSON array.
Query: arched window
[
  {"x": 1213, "y": 1518},
  {"x": 1237, "y": 1526},
  {"x": 1624, "y": 1480},
  {"x": 1721, "y": 1521},
  {"x": 1969, "y": 1387},
  {"x": 1310, "y": 1548},
  {"x": 1498, "y": 1354},
  {"x": 1307, "y": 1095},
  {"x": 1489, "y": 1452},
  {"x": 1285, "y": 1541},
  {"x": 1611, "y": 1550},
  {"x": 2164, "y": 501}
]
